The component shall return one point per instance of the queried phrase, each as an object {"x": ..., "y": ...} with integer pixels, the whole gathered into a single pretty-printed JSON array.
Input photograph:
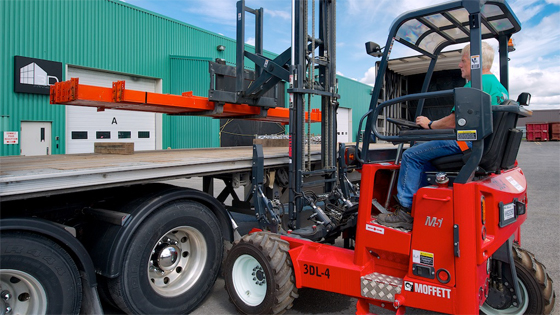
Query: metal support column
[
  {"x": 327, "y": 79},
  {"x": 299, "y": 48}
]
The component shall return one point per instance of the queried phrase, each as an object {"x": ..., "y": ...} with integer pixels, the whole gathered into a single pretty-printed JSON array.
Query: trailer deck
[{"x": 33, "y": 176}]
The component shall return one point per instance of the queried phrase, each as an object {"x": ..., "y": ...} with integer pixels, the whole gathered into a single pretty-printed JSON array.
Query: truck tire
[
  {"x": 259, "y": 275},
  {"x": 535, "y": 285},
  {"x": 171, "y": 262},
  {"x": 37, "y": 276}
]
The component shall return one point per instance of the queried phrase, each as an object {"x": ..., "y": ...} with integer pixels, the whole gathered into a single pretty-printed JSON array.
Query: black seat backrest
[
  {"x": 503, "y": 142},
  {"x": 495, "y": 144}
]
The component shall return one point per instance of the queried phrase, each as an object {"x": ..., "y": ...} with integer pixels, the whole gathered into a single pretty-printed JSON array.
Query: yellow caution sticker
[
  {"x": 466, "y": 135},
  {"x": 424, "y": 258}
]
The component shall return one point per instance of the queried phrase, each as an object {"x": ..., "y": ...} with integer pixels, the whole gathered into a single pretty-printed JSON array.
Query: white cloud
[
  {"x": 535, "y": 66},
  {"x": 526, "y": 9},
  {"x": 369, "y": 77},
  {"x": 250, "y": 41},
  {"x": 538, "y": 41},
  {"x": 216, "y": 11},
  {"x": 543, "y": 85},
  {"x": 278, "y": 13}
]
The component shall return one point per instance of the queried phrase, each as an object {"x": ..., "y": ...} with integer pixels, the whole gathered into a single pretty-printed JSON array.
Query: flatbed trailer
[
  {"x": 91, "y": 210},
  {"x": 34, "y": 176},
  {"x": 84, "y": 219}
]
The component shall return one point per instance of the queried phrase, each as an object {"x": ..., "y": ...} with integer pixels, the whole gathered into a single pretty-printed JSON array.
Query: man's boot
[{"x": 400, "y": 218}]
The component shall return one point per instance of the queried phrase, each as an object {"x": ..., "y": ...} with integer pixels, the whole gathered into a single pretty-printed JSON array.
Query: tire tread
[
  {"x": 538, "y": 272},
  {"x": 275, "y": 250}
]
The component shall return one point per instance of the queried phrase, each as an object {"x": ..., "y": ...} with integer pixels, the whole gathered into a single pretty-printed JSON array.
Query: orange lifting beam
[{"x": 72, "y": 93}]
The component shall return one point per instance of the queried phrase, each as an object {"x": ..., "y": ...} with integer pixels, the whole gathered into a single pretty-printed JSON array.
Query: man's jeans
[{"x": 416, "y": 161}]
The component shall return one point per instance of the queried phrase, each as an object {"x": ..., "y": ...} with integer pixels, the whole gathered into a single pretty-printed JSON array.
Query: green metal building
[{"x": 101, "y": 41}]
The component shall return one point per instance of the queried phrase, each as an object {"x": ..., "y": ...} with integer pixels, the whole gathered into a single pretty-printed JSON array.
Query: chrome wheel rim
[
  {"x": 22, "y": 293},
  {"x": 177, "y": 261}
]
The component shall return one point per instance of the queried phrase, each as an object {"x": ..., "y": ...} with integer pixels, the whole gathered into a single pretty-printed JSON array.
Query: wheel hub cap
[
  {"x": 177, "y": 261},
  {"x": 258, "y": 275},
  {"x": 168, "y": 257}
]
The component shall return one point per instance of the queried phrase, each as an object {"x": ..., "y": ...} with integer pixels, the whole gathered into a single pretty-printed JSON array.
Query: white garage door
[
  {"x": 344, "y": 124},
  {"x": 85, "y": 125}
]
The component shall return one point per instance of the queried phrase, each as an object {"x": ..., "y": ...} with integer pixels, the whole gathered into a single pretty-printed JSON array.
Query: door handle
[{"x": 437, "y": 199}]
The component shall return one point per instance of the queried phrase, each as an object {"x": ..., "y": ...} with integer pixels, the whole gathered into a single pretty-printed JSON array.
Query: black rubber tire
[
  {"x": 271, "y": 252},
  {"x": 52, "y": 267},
  {"x": 132, "y": 291},
  {"x": 104, "y": 292},
  {"x": 532, "y": 274}
]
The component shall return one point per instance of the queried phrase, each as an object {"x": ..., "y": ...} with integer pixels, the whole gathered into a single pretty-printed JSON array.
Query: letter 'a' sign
[{"x": 35, "y": 76}]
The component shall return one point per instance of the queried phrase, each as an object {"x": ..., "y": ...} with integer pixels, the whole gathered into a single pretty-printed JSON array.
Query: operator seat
[{"x": 500, "y": 147}]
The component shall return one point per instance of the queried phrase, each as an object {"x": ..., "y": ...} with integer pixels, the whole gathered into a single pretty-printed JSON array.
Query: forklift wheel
[
  {"x": 535, "y": 285},
  {"x": 259, "y": 276}
]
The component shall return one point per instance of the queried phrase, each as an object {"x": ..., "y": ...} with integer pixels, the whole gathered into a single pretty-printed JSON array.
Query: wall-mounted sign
[
  {"x": 35, "y": 76},
  {"x": 10, "y": 137}
]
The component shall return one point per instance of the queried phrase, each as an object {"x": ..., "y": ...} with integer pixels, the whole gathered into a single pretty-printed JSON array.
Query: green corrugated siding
[
  {"x": 190, "y": 74},
  {"x": 114, "y": 36},
  {"x": 354, "y": 95},
  {"x": 101, "y": 34}
]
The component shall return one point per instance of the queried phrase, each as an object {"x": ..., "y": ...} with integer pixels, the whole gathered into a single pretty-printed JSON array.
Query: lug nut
[{"x": 5, "y": 295}]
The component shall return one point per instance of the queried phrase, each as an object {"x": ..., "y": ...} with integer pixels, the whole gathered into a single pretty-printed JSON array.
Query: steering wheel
[{"x": 404, "y": 124}]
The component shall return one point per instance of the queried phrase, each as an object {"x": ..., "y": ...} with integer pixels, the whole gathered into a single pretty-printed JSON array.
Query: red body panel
[{"x": 460, "y": 280}]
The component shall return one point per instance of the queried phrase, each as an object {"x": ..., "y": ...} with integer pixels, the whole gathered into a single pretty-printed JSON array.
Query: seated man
[{"x": 417, "y": 159}]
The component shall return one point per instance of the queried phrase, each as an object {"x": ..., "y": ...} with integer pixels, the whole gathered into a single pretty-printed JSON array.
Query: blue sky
[{"x": 534, "y": 66}]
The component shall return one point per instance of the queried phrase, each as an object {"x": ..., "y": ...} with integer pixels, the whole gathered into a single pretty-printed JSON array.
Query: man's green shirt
[{"x": 492, "y": 86}]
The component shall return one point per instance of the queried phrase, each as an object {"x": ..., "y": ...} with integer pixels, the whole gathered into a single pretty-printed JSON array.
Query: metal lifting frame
[
  {"x": 269, "y": 72},
  {"x": 300, "y": 87}
]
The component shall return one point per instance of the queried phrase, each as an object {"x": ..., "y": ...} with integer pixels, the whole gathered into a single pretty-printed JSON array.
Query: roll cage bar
[{"x": 429, "y": 31}]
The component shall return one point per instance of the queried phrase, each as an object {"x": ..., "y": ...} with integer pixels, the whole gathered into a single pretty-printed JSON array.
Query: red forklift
[{"x": 462, "y": 255}]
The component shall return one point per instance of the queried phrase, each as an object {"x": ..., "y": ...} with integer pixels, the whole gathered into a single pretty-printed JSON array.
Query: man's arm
[{"x": 447, "y": 122}]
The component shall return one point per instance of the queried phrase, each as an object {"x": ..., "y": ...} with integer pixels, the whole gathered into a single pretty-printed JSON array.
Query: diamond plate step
[{"x": 381, "y": 287}]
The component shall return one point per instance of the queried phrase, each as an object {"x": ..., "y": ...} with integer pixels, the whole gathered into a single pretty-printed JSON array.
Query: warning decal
[
  {"x": 421, "y": 257},
  {"x": 466, "y": 135},
  {"x": 475, "y": 62},
  {"x": 514, "y": 183},
  {"x": 375, "y": 229}
]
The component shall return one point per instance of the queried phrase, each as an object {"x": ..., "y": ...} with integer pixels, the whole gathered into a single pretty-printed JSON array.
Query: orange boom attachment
[{"x": 72, "y": 93}]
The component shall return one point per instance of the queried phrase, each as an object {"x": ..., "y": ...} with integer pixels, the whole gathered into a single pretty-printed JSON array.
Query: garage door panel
[{"x": 81, "y": 120}]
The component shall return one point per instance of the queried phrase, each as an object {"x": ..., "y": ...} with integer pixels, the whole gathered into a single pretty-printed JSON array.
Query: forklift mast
[{"x": 309, "y": 67}]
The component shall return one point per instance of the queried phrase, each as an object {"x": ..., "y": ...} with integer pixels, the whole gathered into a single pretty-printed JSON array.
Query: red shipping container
[
  {"x": 554, "y": 127},
  {"x": 537, "y": 127},
  {"x": 555, "y": 136},
  {"x": 537, "y": 135},
  {"x": 537, "y": 131}
]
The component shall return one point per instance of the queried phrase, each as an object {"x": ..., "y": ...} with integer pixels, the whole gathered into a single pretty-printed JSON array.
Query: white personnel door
[
  {"x": 35, "y": 138},
  {"x": 85, "y": 125},
  {"x": 344, "y": 124}
]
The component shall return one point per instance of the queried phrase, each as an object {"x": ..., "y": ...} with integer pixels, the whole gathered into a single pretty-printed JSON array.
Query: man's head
[{"x": 487, "y": 60}]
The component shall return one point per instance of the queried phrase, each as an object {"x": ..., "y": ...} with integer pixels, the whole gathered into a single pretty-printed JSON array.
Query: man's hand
[{"x": 423, "y": 121}]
